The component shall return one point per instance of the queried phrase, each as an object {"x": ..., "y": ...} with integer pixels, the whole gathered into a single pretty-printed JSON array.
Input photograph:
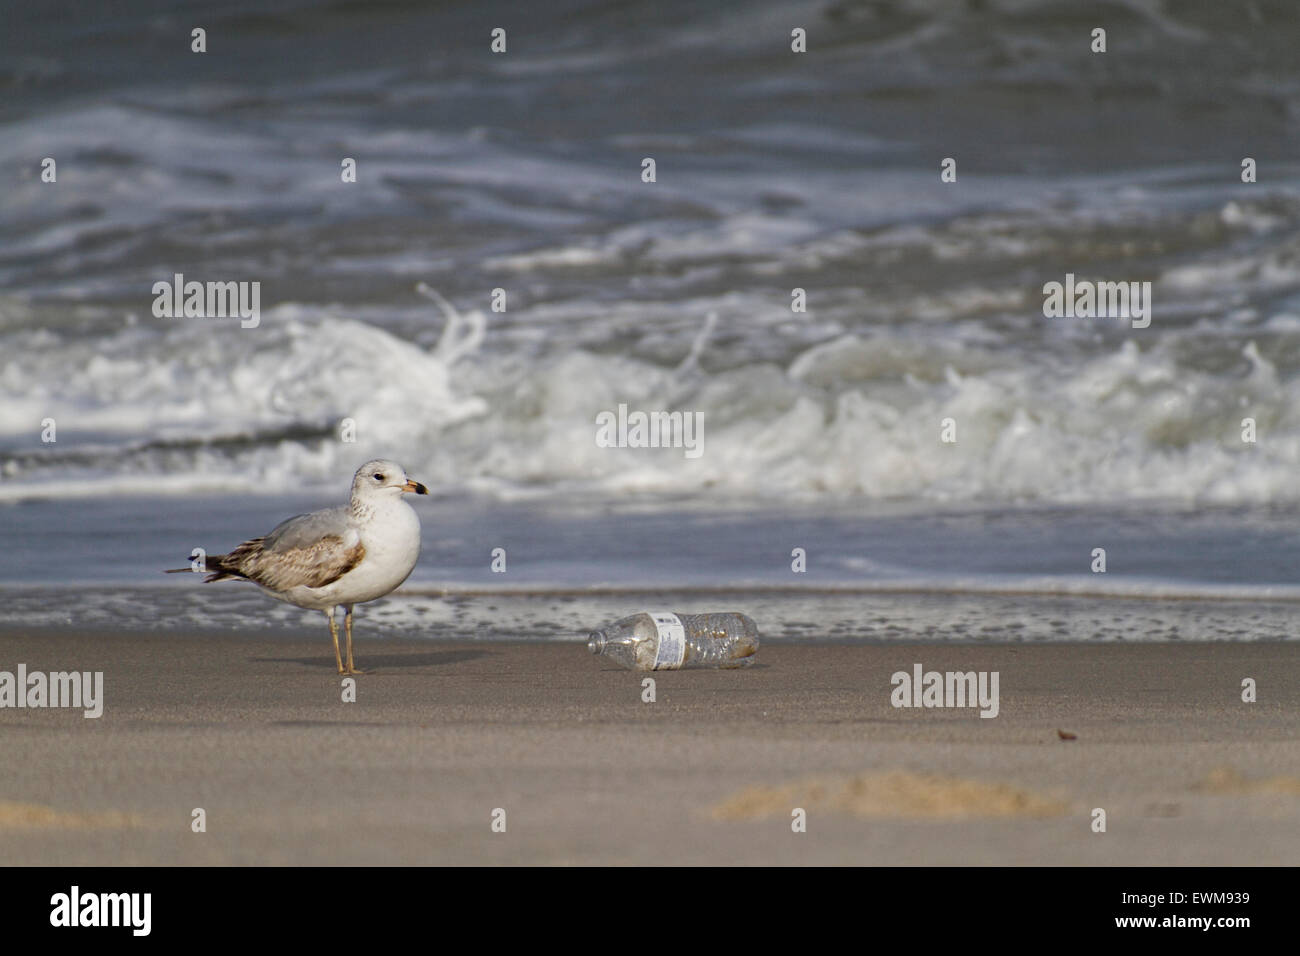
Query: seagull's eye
[{"x": 377, "y": 476}]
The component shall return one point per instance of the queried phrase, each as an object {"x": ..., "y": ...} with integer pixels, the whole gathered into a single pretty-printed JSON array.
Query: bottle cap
[{"x": 596, "y": 641}]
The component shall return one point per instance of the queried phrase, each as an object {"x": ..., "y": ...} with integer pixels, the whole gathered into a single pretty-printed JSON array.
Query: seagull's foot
[{"x": 354, "y": 670}]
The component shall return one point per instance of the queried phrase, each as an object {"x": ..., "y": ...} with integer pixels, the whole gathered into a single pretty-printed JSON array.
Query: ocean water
[{"x": 775, "y": 171}]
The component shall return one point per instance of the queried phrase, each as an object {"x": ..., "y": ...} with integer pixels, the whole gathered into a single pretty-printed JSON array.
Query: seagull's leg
[
  {"x": 334, "y": 633},
  {"x": 347, "y": 626}
]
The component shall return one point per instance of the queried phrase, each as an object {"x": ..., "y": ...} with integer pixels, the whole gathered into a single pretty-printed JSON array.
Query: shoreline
[{"x": 818, "y": 617}]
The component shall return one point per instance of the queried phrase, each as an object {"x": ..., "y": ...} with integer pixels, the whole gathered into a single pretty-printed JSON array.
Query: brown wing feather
[{"x": 322, "y": 563}]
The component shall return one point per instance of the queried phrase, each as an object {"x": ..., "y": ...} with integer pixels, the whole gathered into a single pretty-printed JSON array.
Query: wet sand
[{"x": 253, "y": 730}]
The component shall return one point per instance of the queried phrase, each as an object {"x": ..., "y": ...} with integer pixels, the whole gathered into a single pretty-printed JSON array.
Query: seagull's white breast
[{"x": 391, "y": 537}]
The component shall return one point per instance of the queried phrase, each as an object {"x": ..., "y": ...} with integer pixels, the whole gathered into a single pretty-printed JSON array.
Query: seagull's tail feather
[
  {"x": 215, "y": 566},
  {"x": 222, "y": 568}
]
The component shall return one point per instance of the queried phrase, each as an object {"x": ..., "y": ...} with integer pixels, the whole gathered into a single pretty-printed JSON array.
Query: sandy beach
[{"x": 253, "y": 730}]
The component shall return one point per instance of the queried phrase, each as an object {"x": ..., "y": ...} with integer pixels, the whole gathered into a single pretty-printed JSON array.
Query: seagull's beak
[{"x": 415, "y": 486}]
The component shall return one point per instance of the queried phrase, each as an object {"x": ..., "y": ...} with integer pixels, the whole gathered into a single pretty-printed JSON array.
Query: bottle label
[{"x": 672, "y": 640}]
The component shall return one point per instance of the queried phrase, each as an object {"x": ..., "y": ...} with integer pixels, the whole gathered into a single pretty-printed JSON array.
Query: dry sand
[{"x": 254, "y": 731}]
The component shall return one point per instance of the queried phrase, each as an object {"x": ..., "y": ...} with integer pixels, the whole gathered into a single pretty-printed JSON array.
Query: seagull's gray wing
[{"x": 310, "y": 550}]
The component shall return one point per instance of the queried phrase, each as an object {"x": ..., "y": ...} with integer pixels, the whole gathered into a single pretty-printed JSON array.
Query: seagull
[{"x": 338, "y": 557}]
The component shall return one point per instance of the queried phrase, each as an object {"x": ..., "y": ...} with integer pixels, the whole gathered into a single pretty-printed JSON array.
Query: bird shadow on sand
[{"x": 380, "y": 662}]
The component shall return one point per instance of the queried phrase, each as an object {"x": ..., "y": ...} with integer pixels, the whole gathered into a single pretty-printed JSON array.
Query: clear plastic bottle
[{"x": 662, "y": 640}]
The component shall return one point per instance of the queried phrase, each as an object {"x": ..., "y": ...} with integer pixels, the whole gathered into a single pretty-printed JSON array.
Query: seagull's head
[{"x": 383, "y": 478}]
